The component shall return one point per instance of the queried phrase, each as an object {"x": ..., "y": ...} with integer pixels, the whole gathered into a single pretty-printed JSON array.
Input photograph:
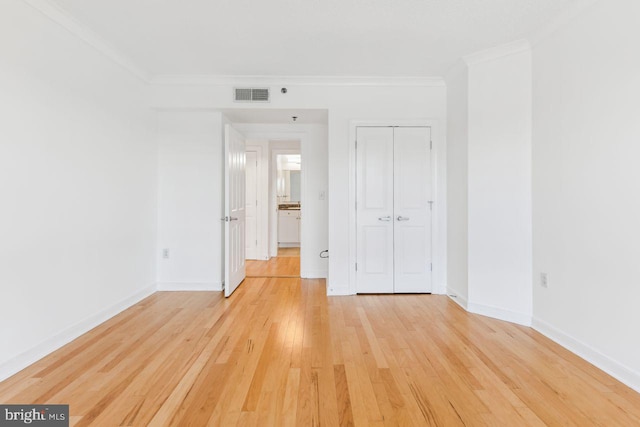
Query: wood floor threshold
[
  {"x": 279, "y": 352},
  {"x": 268, "y": 276}
]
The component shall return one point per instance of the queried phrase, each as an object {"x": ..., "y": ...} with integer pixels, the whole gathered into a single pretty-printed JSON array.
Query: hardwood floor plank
[{"x": 278, "y": 352}]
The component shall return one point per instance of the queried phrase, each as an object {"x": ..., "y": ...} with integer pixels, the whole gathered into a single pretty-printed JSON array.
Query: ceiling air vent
[{"x": 251, "y": 94}]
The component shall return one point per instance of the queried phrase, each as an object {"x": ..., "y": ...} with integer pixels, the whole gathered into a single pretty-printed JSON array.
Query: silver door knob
[
  {"x": 233, "y": 218},
  {"x": 384, "y": 218},
  {"x": 402, "y": 218}
]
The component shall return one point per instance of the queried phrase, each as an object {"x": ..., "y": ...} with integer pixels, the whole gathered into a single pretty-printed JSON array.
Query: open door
[{"x": 234, "y": 209}]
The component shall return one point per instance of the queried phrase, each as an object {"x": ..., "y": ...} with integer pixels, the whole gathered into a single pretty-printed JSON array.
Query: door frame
[
  {"x": 439, "y": 265},
  {"x": 258, "y": 150}
]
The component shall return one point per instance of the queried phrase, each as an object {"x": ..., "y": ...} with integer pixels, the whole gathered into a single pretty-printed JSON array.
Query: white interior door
[
  {"x": 412, "y": 210},
  {"x": 393, "y": 212},
  {"x": 374, "y": 182},
  {"x": 251, "y": 207},
  {"x": 235, "y": 205}
]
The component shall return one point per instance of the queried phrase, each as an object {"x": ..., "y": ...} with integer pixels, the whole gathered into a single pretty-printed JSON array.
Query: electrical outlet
[
  {"x": 165, "y": 253},
  {"x": 544, "y": 280}
]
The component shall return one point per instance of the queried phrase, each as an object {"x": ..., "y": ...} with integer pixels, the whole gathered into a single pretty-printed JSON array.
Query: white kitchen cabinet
[{"x": 289, "y": 226}]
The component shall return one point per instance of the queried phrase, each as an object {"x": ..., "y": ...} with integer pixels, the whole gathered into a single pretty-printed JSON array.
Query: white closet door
[
  {"x": 412, "y": 211},
  {"x": 374, "y": 182}
]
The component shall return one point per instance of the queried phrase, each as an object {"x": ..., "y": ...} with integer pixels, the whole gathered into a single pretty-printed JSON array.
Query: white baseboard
[
  {"x": 189, "y": 286},
  {"x": 440, "y": 290},
  {"x": 64, "y": 337},
  {"x": 499, "y": 313},
  {"x": 455, "y": 297},
  {"x": 335, "y": 292},
  {"x": 313, "y": 274},
  {"x": 612, "y": 367}
]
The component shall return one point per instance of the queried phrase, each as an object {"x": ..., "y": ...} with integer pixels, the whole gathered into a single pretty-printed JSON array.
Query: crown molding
[
  {"x": 497, "y": 52},
  {"x": 214, "y": 80},
  {"x": 58, "y": 15}
]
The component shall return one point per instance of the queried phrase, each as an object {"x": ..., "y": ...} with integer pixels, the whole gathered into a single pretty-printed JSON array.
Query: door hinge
[
  {"x": 430, "y": 145},
  {"x": 431, "y": 266},
  {"x": 430, "y": 205},
  {"x": 356, "y": 266}
]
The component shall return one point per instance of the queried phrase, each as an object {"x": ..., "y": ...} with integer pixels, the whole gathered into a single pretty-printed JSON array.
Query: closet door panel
[
  {"x": 374, "y": 217},
  {"x": 412, "y": 210}
]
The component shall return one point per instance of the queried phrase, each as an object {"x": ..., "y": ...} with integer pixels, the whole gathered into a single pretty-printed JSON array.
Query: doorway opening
[
  {"x": 266, "y": 134},
  {"x": 285, "y": 220}
]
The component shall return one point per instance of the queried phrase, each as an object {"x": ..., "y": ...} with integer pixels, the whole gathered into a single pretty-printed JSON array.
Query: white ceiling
[{"x": 308, "y": 37}]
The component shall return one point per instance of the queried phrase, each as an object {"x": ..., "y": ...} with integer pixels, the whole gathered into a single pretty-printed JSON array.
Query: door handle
[
  {"x": 233, "y": 218},
  {"x": 384, "y": 218},
  {"x": 402, "y": 218}
]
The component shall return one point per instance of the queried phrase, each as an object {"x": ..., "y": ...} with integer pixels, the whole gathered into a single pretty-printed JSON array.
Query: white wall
[
  {"x": 77, "y": 178},
  {"x": 190, "y": 180},
  {"x": 457, "y": 183},
  {"x": 586, "y": 183},
  {"x": 499, "y": 185},
  {"x": 344, "y": 103}
]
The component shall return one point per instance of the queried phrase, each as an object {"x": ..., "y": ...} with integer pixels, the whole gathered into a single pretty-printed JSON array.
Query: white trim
[
  {"x": 63, "y": 18},
  {"x": 313, "y": 274},
  {"x": 189, "y": 286},
  {"x": 438, "y": 263},
  {"x": 69, "y": 334},
  {"x": 612, "y": 367},
  {"x": 289, "y": 245},
  {"x": 499, "y": 313},
  {"x": 338, "y": 292},
  {"x": 218, "y": 80},
  {"x": 497, "y": 52},
  {"x": 460, "y": 300}
]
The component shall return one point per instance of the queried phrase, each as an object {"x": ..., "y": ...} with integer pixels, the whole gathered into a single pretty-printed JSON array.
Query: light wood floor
[
  {"x": 285, "y": 252},
  {"x": 279, "y": 352},
  {"x": 286, "y": 264}
]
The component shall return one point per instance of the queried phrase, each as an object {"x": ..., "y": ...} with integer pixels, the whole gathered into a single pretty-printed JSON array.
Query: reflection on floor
[{"x": 286, "y": 264}]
